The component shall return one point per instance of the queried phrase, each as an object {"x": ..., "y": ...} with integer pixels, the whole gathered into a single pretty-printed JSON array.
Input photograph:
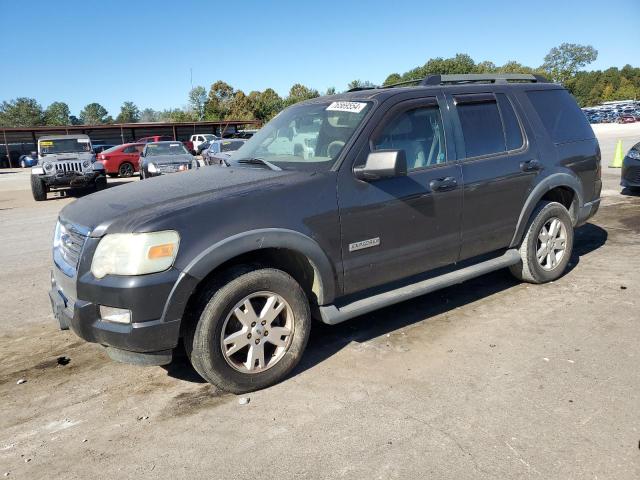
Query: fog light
[{"x": 117, "y": 315}]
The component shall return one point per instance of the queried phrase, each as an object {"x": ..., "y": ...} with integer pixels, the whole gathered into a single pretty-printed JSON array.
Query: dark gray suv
[{"x": 338, "y": 206}]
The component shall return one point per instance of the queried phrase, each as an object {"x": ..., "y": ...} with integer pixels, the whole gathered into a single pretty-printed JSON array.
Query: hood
[
  {"x": 59, "y": 157},
  {"x": 168, "y": 159},
  {"x": 123, "y": 208}
]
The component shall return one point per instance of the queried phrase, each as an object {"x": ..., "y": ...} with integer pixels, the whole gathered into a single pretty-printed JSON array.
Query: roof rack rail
[
  {"x": 359, "y": 89},
  {"x": 483, "y": 77},
  {"x": 405, "y": 82}
]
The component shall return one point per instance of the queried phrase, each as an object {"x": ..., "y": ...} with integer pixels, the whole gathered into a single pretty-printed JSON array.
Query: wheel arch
[
  {"x": 558, "y": 187},
  {"x": 293, "y": 252}
]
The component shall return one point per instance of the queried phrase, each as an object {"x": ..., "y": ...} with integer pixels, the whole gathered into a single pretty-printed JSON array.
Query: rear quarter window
[{"x": 560, "y": 115}]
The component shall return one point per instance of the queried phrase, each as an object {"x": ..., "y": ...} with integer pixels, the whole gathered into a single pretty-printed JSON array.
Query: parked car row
[{"x": 614, "y": 112}]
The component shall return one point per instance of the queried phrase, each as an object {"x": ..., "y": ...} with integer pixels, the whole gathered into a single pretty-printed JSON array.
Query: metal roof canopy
[{"x": 113, "y": 133}]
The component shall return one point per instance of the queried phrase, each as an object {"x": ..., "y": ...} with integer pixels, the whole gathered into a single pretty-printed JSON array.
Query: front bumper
[
  {"x": 71, "y": 179},
  {"x": 587, "y": 211},
  {"x": 154, "y": 301},
  {"x": 630, "y": 174}
]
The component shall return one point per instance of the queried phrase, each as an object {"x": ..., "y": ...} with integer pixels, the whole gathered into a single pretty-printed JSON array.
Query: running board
[{"x": 331, "y": 314}]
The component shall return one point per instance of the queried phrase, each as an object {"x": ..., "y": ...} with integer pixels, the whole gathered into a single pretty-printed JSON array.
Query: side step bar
[{"x": 332, "y": 315}]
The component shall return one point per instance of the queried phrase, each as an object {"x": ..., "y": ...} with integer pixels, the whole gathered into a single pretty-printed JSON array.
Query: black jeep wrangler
[{"x": 338, "y": 206}]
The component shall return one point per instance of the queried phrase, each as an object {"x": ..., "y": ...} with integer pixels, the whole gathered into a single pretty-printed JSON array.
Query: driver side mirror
[
  {"x": 382, "y": 164},
  {"x": 142, "y": 154}
]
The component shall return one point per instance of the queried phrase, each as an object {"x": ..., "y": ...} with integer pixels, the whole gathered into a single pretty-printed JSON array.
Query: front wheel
[
  {"x": 100, "y": 183},
  {"x": 38, "y": 189},
  {"x": 546, "y": 248},
  {"x": 250, "y": 331}
]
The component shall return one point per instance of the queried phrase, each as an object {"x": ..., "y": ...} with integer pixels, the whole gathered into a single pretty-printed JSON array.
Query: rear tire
[
  {"x": 126, "y": 170},
  {"x": 544, "y": 261},
  {"x": 113, "y": 175},
  {"x": 215, "y": 320},
  {"x": 38, "y": 189}
]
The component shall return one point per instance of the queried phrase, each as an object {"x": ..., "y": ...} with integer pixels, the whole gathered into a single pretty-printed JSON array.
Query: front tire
[
  {"x": 250, "y": 330},
  {"x": 100, "y": 183},
  {"x": 38, "y": 189},
  {"x": 547, "y": 246}
]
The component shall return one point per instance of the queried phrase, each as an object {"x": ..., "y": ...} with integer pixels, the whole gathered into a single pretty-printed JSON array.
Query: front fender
[
  {"x": 554, "y": 180},
  {"x": 246, "y": 242}
]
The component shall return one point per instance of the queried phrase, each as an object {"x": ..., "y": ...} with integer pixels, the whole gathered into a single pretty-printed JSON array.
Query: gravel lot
[{"x": 487, "y": 379}]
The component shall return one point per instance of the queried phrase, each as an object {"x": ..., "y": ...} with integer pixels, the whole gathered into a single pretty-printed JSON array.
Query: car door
[
  {"x": 499, "y": 166},
  {"x": 397, "y": 227}
]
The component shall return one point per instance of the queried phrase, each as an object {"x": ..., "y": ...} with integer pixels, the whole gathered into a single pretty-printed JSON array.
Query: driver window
[{"x": 419, "y": 133}]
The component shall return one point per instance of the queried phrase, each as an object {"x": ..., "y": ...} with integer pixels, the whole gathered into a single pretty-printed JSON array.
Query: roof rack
[{"x": 483, "y": 77}]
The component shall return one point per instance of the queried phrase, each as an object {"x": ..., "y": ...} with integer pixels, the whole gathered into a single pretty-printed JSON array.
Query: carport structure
[{"x": 22, "y": 140}]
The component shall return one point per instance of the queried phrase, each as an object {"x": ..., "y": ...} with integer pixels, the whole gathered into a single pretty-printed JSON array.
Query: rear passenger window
[
  {"x": 512, "y": 130},
  {"x": 481, "y": 125},
  {"x": 419, "y": 133},
  {"x": 560, "y": 115}
]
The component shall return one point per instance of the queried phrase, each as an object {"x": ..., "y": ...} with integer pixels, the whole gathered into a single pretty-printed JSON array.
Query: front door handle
[
  {"x": 443, "y": 184},
  {"x": 530, "y": 166}
]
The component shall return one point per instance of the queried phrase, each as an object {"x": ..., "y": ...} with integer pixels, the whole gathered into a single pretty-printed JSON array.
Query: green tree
[
  {"x": 267, "y": 104},
  {"x": 57, "y": 114},
  {"x": 218, "y": 100},
  {"x": 93, "y": 114},
  {"x": 129, "y": 113},
  {"x": 393, "y": 78},
  {"x": 562, "y": 62},
  {"x": 149, "y": 115},
  {"x": 299, "y": 92},
  {"x": 21, "y": 112},
  {"x": 198, "y": 100},
  {"x": 331, "y": 91},
  {"x": 240, "y": 107},
  {"x": 359, "y": 84}
]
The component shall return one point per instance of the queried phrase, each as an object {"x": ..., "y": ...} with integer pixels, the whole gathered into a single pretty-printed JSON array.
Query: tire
[
  {"x": 214, "y": 311},
  {"x": 113, "y": 175},
  {"x": 38, "y": 189},
  {"x": 126, "y": 170},
  {"x": 530, "y": 269},
  {"x": 100, "y": 183}
]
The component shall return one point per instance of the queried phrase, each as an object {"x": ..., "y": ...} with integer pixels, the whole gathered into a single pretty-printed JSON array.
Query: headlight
[
  {"x": 135, "y": 253},
  {"x": 48, "y": 166},
  {"x": 635, "y": 154},
  {"x": 152, "y": 168},
  {"x": 86, "y": 164}
]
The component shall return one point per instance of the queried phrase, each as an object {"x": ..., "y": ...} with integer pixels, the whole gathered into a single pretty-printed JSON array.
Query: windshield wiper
[{"x": 260, "y": 161}]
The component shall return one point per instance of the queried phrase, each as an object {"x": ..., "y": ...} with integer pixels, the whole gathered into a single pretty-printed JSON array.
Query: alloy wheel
[
  {"x": 552, "y": 243},
  {"x": 257, "y": 333}
]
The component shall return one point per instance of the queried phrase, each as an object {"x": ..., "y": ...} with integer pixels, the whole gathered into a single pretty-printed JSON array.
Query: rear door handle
[
  {"x": 443, "y": 184},
  {"x": 530, "y": 166}
]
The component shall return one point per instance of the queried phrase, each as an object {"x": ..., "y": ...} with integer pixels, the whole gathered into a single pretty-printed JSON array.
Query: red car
[
  {"x": 188, "y": 144},
  {"x": 626, "y": 119},
  {"x": 121, "y": 160}
]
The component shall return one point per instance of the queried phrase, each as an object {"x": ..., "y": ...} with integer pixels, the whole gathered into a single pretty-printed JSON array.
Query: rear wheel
[
  {"x": 126, "y": 170},
  {"x": 38, "y": 189},
  {"x": 113, "y": 175},
  {"x": 250, "y": 331},
  {"x": 546, "y": 248}
]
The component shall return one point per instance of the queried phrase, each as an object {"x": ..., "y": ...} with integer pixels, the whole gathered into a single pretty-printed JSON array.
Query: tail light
[{"x": 103, "y": 157}]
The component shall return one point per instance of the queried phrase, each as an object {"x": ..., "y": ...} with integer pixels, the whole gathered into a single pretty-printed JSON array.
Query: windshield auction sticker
[{"x": 354, "y": 107}]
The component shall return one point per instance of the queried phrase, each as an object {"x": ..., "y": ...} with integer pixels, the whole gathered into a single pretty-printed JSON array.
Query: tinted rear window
[
  {"x": 481, "y": 128},
  {"x": 560, "y": 115}
]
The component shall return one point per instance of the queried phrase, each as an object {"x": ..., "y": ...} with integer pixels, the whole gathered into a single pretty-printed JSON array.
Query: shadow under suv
[{"x": 338, "y": 206}]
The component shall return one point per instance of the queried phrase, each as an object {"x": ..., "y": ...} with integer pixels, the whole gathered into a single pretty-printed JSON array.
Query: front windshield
[
  {"x": 64, "y": 145},
  {"x": 209, "y": 137},
  {"x": 155, "y": 149},
  {"x": 308, "y": 136}
]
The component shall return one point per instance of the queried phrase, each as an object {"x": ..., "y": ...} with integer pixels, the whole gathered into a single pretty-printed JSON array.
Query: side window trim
[
  {"x": 523, "y": 135},
  {"x": 406, "y": 106}
]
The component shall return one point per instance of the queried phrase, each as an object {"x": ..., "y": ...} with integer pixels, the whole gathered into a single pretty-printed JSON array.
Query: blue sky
[{"x": 111, "y": 51}]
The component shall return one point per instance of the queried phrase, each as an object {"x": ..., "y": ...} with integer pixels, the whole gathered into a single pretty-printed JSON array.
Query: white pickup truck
[{"x": 199, "y": 138}]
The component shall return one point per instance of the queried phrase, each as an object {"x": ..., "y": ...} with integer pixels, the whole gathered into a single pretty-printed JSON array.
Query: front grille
[
  {"x": 68, "y": 245},
  {"x": 168, "y": 168},
  {"x": 66, "y": 167},
  {"x": 632, "y": 174}
]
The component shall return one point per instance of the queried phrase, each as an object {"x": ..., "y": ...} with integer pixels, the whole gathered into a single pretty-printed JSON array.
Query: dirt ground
[{"x": 488, "y": 379}]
